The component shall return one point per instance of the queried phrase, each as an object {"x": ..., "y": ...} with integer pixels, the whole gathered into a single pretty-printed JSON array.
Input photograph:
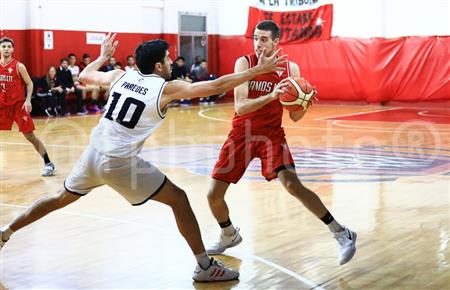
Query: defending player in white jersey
[{"x": 136, "y": 108}]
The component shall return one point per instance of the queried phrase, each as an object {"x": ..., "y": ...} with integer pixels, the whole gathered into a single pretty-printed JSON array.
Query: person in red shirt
[
  {"x": 14, "y": 107},
  {"x": 257, "y": 133}
]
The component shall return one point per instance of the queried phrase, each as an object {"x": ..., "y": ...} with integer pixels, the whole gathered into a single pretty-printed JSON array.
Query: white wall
[
  {"x": 352, "y": 18},
  {"x": 96, "y": 15},
  {"x": 391, "y": 18},
  {"x": 357, "y": 18},
  {"x": 208, "y": 7},
  {"x": 13, "y": 14},
  {"x": 416, "y": 17}
]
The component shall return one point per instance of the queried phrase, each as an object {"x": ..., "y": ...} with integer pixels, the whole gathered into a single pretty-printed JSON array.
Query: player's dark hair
[
  {"x": 62, "y": 60},
  {"x": 269, "y": 25},
  {"x": 70, "y": 55},
  {"x": 6, "y": 39},
  {"x": 149, "y": 53}
]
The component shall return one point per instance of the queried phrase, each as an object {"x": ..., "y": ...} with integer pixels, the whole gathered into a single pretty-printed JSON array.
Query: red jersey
[
  {"x": 12, "y": 86},
  {"x": 270, "y": 115}
]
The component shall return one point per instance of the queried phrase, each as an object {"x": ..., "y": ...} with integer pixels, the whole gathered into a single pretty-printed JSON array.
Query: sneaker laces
[
  {"x": 236, "y": 232},
  {"x": 49, "y": 165},
  {"x": 341, "y": 237},
  {"x": 341, "y": 240}
]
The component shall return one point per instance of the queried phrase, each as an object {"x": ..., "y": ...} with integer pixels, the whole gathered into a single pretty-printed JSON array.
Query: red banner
[{"x": 295, "y": 26}]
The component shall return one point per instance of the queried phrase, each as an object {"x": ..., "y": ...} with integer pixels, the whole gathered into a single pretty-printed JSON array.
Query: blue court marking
[{"x": 333, "y": 164}]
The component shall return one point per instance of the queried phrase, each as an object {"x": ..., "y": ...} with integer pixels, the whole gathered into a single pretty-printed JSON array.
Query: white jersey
[
  {"x": 74, "y": 70},
  {"x": 132, "y": 115}
]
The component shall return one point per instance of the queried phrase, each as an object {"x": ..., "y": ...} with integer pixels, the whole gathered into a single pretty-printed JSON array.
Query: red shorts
[
  {"x": 15, "y": 113},
  {"x": 239, "y": 150}
]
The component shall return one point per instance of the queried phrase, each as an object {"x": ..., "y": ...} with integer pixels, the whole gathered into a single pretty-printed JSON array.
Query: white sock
[
  {"x": 335, "y": 227},
  {"x": 7, "y": 232},
  {"x": 203, "y": 260},
  {"x": 228, "y": 231}
]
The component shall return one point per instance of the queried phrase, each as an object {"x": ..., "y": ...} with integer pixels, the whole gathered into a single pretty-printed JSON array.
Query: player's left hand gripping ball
[{"x": 298, "y": 95}]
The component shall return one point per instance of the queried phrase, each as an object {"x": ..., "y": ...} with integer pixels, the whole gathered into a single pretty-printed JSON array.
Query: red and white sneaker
[{"x": 215, "y": 272}]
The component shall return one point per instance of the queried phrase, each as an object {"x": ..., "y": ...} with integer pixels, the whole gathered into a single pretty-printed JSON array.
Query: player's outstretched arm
[
  {"x": 242, "y": 104},
  {"x": 91, "y": 76},
  {"x": 184, "y": 90}
]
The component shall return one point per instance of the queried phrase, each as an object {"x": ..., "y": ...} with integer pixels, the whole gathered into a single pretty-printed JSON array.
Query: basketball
[{"x": 298, "y": 94}]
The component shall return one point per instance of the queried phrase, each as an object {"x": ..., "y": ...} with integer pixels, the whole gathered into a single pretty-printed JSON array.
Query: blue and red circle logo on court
[{"x": 335, "y": 164}]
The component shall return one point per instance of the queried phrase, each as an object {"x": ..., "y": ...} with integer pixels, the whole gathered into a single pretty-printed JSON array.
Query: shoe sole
[
  {"x": 354, "y": 237},
  {"x": 221, "y": 250},
  {"x": 47, "y": 175},
  {"x": 215, "y": 280}
]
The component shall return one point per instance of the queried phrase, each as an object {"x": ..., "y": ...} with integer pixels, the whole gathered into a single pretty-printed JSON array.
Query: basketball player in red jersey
[
  {"x": 13, "y": 104},
  {"x": 257, "y": 132}
]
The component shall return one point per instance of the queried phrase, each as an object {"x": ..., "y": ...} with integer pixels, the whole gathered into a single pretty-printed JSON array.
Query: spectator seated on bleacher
[
  {"x": 92, "y": 106},
  {"x": 110, "y": 66},
  {"x": 50, "y": 89},
  {"x": 118, "y": 65},
  {"x": 64, "y": 76},
  {"x": 180, "y": 72},
  {"x": 79, "y": 89},
  {"x": 131, "y": 63},
  {"x": 200, "y": 73},
  {"x": 74, "y": 69}
]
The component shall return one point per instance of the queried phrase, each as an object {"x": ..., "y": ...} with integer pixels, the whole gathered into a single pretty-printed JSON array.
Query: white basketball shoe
[
  {"x": 347, "y": 245},
  {"x": 215, "y": 272},
  {"x": 49, "y": 169},
  {"x": 224, "y": 243}
]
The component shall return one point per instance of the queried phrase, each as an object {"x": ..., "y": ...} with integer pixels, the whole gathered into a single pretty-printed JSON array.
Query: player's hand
[
  {"x": 271, "y": 63},
  {"x": 108, "y": 46},
  {"x": 313, "y": 99},
  {"x": 279, "y": 89},
  {"x": 27, "y": 106}
]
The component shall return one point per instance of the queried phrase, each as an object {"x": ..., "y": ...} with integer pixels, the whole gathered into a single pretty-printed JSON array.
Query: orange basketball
[{"x": 298, "y": 94}]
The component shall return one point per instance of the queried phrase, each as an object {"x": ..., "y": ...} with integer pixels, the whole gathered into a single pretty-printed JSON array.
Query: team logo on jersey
[
  {"x": 10, "y": 70},
  {"x": 336, "y": 164},
  {"x": 260, "y": 86}
]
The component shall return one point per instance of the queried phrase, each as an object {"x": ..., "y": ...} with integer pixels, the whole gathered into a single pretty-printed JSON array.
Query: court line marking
[
  {"x": 356, "y": 114},
  {"x": 202, "y": 114},
  {"x": 350, "y": 128},
  {"x": 116, "y": 220},
  {"x": 278, "y": 267},
  {"x": 46, "y": 145},
  {"x": 378, "y": 129},
  {"x": 202, "y": 111},
  {"x": 426, "y": 114}
]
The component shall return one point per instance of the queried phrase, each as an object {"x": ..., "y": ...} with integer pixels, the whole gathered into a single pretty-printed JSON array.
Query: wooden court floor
[{"x": 387, "y": 180}]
